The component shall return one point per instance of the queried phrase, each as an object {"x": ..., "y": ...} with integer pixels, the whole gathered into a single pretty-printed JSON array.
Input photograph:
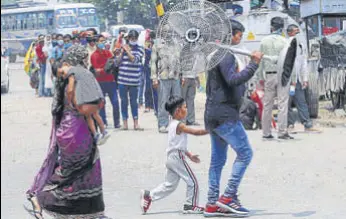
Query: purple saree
[{"x": 69, "y": 183}]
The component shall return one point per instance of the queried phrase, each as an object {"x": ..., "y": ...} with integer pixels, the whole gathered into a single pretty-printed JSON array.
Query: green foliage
[{"x": 135, "y": 11}]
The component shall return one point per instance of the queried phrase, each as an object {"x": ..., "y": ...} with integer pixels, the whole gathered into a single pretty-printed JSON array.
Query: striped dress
[{"x": 130, "y": 72}]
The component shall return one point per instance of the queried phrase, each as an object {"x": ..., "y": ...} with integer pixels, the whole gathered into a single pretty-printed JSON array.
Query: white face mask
[{"x": 133, "y": 43}]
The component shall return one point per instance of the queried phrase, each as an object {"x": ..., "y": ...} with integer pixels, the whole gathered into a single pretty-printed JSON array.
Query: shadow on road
[
  {"x": 163, "y": 212},
  {"x": 255, "y": 213}
]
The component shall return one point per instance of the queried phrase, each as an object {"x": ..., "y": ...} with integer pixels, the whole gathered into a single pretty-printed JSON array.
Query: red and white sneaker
[
  {"x": 190, "y": 209},
  {"x": 216, "y": 211},
  {"x": 145, "y": 201}
]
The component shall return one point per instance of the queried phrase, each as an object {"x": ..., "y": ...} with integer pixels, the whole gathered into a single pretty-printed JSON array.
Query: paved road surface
[{"x": 305, "y": 178}]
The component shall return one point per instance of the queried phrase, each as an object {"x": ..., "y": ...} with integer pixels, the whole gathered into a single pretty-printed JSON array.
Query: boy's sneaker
[
  {"x": 232, "y": 205},
  {"x": 163, "y": 129},
  {"x": 216, "y": 211},
  {"x": 145, "y": 201},
  {"x": 190, "y": 209},
  {"x": 103, "y": 138}
]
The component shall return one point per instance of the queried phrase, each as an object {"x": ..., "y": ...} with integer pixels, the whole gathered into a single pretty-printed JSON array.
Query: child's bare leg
[
  {"x": 99, "y": 121},
  {"x": 91, "y": 124},
  {"x": 88, "y": 109}
]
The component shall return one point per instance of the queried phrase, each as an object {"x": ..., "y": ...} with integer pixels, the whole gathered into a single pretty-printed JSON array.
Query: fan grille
[{"x": 190, "y": 29}]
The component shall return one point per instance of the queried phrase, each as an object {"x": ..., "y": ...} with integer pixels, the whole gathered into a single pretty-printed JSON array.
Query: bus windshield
[
  {"x": 66, "y": 18},
  {"x": 87, "y": 17}
]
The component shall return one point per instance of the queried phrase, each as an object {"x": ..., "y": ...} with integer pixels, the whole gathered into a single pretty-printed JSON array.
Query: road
[{"x": 304, "y": 178}]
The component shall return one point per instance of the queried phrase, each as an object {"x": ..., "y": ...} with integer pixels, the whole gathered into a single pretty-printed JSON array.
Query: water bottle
[{"x": 292, "y": 90}]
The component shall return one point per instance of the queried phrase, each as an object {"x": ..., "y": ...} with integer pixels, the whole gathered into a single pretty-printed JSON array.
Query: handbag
[{"x": 112, "y": 68}]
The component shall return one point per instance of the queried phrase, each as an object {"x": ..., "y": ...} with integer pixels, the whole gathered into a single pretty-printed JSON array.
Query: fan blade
[{"x": 179, "y": 23}]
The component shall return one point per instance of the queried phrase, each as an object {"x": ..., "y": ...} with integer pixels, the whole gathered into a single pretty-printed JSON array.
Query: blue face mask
[
  {"x": 101, "y": 46},
  {"x": 68, "y": 45},
  {"x": 83, "y": 42},
  {"x": 60, "y": 42},
  {"x": 54, "y": 43}
]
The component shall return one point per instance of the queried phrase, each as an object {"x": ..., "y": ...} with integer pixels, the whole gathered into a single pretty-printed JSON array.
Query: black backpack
[{"x": 249, "y": 115}]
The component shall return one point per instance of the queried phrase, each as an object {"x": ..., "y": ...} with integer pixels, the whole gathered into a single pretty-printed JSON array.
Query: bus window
[
  {"x": 67, "y": 21},
  {"x": 3, "y": 23},
  {"x": 42, "y": 20},
  {"x": 50, "y": 16},
  {"x": 66, "y": 18},
  {"x": 25, "y": 21},
  {"x": 31, "y": 21},
  {"x": 87, "y": 17},
  {"x": 19, "y": 20},
  {"x": 34, "y": 21},
  {"x": 13, "y": 23}
]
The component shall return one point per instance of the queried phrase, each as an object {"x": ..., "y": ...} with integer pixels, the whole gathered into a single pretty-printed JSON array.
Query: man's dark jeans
[
  {"x": 110, "y": 88},
  {"x": 149, "y": 98},
  {"x": 303, "y": 111}
]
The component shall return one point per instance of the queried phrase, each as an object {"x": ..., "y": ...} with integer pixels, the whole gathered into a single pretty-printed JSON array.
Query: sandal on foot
[
  {"x": 138, "y": 129},
  {"x": 34, "y": 212},
  {"x": 124, "y": 129}
]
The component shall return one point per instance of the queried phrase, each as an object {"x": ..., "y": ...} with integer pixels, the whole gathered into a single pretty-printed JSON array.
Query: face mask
[
  {"x": 83, "y": 42},
  {"x": 68, "y": 45},
  {"x": 101, "y": 45},
  {"x": 133, "y": 43},
  {"x": 54, "y": 43},
  {"x": 60, "y": 42}
]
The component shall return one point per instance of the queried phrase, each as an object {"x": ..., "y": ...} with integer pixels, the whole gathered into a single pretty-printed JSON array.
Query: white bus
[{"x": 22, "y": 24}]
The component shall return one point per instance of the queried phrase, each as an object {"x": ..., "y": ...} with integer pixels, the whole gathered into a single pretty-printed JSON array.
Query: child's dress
[{"x": 88, "y": 90}]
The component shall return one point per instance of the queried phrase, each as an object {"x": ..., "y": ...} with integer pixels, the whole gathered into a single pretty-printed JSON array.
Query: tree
[{"x": 135, "y": 11}]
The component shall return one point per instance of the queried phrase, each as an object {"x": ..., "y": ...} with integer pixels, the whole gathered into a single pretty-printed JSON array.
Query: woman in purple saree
[{"x": 69, "y": 183}]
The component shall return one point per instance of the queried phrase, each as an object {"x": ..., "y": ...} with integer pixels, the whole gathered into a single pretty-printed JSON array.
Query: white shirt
[{"x": 176, "y": 142}]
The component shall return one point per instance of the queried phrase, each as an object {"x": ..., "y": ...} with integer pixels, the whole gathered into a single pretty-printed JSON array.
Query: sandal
[
  {"x": 124, "y": 129},
  {"x": 34, "y": 212},
  {"x": 138, "y": 129}
]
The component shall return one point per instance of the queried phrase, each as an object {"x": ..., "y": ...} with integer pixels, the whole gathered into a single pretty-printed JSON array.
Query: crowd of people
[
  {"x": 137, "y": 74},
  {"x": 85, "y": 70}
]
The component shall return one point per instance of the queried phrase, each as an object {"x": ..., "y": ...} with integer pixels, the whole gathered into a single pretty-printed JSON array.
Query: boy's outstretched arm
[{"x": 182, "y": 128}]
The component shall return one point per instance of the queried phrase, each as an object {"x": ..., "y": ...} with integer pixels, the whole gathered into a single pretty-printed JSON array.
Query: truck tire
[
  {"x": 313, "y": 95},
  {"x": 13, "y": 58}
]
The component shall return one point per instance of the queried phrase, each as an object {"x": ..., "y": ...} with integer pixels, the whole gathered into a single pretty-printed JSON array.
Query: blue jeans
[
  {"x": 302, "y": 107},
  {"x": 141, "y": 89},
  {"x": 42, "y": 92},
  {"x": 233, "y": 134},
  {"x": 110, "y": 88},
  {"x": 126, "y": 91},
  {"x": 156, "y": 101}
]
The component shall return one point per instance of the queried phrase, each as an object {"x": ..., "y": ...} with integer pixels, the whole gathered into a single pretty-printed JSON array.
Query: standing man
[
  {"x": 165, "y": 79},
  {"x": 149, "y": 100},
  {"x": 189, "y": 83},
  {"x": 272, "y": 45},
  {"x": 130, "y": 70},
  {"x": 107, "y": 82},
  {"x": 225, "y": 89},
  {"x": 300, "y": 82},
  {"x": 41, "y": 59}
]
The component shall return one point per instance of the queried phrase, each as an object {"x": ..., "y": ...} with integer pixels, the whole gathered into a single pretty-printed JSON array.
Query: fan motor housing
[{"x": 192, "y": 35}]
